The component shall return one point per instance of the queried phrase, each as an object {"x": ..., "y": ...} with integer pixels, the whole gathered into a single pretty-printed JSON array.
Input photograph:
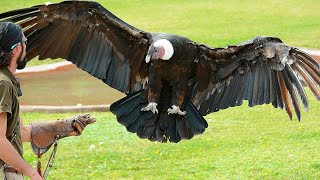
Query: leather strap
[
  {"x": 14, "y": 134},
  {"x": 11, "y": 170},
  {"x": 6, "y": 168}
]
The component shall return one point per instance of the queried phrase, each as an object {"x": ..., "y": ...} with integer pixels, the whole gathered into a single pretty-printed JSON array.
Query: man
[{"x": 12, "y": 130}]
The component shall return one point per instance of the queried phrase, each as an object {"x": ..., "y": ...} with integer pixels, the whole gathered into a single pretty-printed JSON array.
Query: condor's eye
[{"x": 155, "y": 49}]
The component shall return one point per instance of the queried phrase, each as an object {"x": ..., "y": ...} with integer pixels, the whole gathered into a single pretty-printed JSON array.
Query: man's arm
[
  {"x": 9, "y": 154},
  {"x": 25, "y": 131}
]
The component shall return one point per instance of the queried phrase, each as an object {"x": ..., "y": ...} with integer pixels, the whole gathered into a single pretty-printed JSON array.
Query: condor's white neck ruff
[{"x": 168, "y": 48}]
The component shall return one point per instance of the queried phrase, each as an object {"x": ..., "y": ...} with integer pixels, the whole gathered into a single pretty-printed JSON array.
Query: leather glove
[{"x": 44, "y": 134}]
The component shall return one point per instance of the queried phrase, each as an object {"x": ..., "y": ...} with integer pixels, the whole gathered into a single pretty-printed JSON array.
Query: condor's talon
[
  {"x": 176, "y": 110},
  {"x": 151, "y": 107}
]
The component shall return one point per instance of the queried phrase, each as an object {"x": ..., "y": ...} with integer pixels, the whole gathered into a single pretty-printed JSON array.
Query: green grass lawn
[{"x": 240, "y": 143}]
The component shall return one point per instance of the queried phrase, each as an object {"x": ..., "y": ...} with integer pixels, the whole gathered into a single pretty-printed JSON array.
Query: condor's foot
[
  {"x": 176, "y": 110},
  {"x": 151, "y": 107}
]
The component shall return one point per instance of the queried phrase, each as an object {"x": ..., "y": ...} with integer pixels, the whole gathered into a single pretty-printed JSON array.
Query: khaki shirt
[{"x": 9, "y": 103}]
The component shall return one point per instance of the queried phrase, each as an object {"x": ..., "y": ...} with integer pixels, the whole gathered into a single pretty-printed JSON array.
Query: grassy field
[{"x": 240, "y": 143}]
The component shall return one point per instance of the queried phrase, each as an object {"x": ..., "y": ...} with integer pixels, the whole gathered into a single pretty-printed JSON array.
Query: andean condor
[{"x": 171, "y": 82}]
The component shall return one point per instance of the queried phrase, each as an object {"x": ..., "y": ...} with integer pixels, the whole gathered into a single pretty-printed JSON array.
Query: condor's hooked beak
[{"x": 149, "y": 54}]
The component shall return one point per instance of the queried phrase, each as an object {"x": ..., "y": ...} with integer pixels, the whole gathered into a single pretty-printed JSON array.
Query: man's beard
[{"x": 22, "y": 61}]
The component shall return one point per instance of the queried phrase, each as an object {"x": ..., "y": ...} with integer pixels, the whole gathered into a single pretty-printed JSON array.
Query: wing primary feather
[
  {"x": 297, "y": 84},
  {"x": 310, "y": 64},
  {"x": 310, "y": 82},
  {"x": 277, "y": 102},
  {"x": 311, "y": 72},
  {"x": 292, "y": 92},
  {"x": 16, "y": 12},
  {"x": 285, "y": 95},
  {"x": 308, "y": 59},
  {"x": 28, "y": 22},
  {"x": 31, "y": 29},
  {"x": 20, "y": 17}
]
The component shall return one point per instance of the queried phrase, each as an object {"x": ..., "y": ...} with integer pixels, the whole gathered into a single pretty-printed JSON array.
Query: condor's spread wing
[
  {"x": 262, "y": 70},
  {"x": 89, "y": 36}
]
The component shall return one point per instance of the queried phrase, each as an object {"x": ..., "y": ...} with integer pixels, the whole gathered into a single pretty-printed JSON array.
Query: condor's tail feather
[{"x": 160, "y": 126}]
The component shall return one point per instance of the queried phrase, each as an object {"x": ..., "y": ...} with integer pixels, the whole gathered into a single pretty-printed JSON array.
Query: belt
[
  {"x": 11, "y": 170},
  {"x": 7, "y": 168}
]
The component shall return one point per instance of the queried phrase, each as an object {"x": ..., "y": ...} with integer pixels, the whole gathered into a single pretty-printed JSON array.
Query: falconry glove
[{"x": 44, "y": 134}]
